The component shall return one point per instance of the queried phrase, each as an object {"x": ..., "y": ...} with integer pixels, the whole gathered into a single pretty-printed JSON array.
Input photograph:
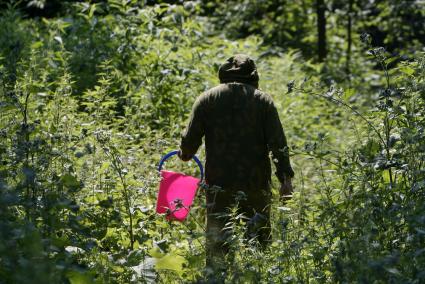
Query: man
[{"x": 241, "y": 126}]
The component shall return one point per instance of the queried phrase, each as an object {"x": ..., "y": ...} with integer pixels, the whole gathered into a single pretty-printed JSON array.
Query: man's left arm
[
  {"x": 277, "y": 144},
  {"x": 192, "y": 136}
]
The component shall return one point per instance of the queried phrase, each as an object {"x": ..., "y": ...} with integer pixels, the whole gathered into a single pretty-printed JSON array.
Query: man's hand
[
  {"x": 183, "y": 157},
  {"x": 286, "y": 189}
]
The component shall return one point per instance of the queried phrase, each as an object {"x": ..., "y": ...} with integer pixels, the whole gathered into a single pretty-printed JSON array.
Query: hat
[{"x": 239, "y": 68}]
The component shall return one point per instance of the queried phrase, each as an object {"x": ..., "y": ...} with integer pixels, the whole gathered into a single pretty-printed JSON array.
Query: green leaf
[
  {"x": 349, "y": 93},
  {"x": 69, "y": 180},
  {"x": 4, "y": 106},
  {"x": 92, "y": 10},
  {"x": 391, "y": 60},
  {"x": 104, "y": 167},
  {"x": 156, "y": 252},
  {"x": 110, "y": 232},
  {"x": 37, "y": 45},
  {"x": 171, "y": 262},
  {"x": 407, "y": 70},
  {"x": 79, "y": 277}
]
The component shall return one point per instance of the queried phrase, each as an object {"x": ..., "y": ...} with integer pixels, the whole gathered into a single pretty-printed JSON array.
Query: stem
[
  {"x": 26, "y": 141},
  {"x": 116, "y": 163},
  {"x": 387, "y": 76},
  {"x": 387, "y": 126},
  {"x": 387, "y": 121},
  {"x": 349, "y": 38},
  {"x": 127, "y": 201}
]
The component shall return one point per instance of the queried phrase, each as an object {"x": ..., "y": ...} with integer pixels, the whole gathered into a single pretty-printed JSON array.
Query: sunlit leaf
[
  {"x": 79, "y": 277},
  {"x": 69, "y": 180},
  {"x": 407, "y": 70},
  {"x": 171, "y": 262}
]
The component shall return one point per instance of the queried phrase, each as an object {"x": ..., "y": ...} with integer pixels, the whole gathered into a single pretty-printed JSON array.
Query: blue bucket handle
[{"x": 175, "y": 152}]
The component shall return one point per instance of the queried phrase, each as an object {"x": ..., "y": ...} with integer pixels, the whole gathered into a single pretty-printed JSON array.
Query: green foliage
[
  {"x": 281, "y": 23},
  {"x": 287, "y": 25},
  {"x": 89, "y": 103}
]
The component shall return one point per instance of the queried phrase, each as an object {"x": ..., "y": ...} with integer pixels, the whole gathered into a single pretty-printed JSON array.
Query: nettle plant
[
  {"x": 371, "y": 206},
  {"x": 38, "y": 125},
  {"x": 90, "y": 102}
]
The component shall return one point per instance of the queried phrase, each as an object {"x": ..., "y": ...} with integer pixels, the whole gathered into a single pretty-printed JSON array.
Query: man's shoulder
[
  {"x": 215, "y": 90},
  {"x": 213, "y": 93},
  {"x": 263, "y": 96}
]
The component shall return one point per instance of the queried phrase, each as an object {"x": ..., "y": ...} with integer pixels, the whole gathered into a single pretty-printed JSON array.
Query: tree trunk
[
  {"x": 321, "y": 30},
  {"x": 349, "y": 38}
]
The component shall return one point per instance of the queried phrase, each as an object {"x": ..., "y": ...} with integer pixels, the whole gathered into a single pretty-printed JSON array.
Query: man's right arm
[{"x": 192, "y": 137}]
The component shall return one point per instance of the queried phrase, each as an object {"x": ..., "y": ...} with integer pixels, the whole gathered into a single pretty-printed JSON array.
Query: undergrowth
[{"x": 90, "y": 102}]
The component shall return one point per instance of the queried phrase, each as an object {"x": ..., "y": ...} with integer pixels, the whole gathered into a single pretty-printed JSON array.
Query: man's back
[
  {"x": 241, "y": 126},
  {"x": 234, "y": 117}
]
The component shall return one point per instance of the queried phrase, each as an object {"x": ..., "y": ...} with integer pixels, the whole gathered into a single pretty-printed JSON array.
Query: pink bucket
[{"x": 176, "y": 191}]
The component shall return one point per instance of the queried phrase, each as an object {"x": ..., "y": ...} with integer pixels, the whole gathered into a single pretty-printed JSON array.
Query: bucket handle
[{"x": 175, "y": 152}]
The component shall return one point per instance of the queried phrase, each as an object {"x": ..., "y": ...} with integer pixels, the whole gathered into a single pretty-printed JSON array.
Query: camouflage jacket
[{"x": 241, "y": 127}]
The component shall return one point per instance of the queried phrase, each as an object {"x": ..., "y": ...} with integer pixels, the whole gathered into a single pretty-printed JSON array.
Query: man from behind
[{"x": 241, "y": 127}]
